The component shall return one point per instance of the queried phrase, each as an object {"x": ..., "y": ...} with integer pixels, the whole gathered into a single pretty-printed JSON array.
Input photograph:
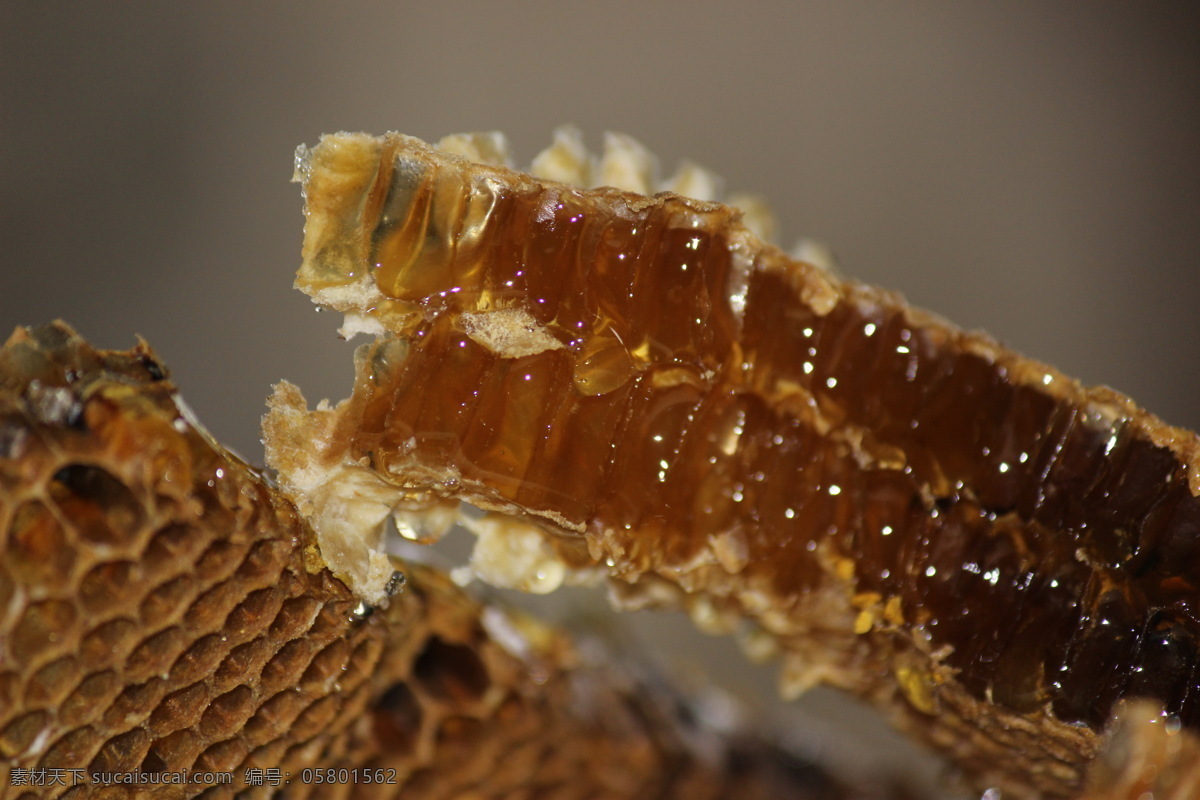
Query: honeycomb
[
  {"x": 164, "y": 608},
  {"x": 982, "y": 547}
]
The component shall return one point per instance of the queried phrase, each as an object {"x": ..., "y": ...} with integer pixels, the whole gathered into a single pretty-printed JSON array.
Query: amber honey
[{"x": 748, "y": 428}]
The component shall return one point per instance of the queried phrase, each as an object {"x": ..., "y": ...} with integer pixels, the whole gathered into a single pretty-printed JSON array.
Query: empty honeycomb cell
[
  {"x": 362, "y": 662},
  {"x": 179, "y": 709},
  {"x": 110, "y": 642},
  {"x": 219, "y": 560},
  {"x": 354, "y": 702},
  {"x": 121, "y": 753},
  {"x": 268, "y": 755},
  {"x": 278, "y": 712},
  {"x": 166, "y": 603},
  {"x": 464, "y": 740},
  {"x": 93, "y": 694},
  {"x": 98, "y": 506},
  {"x": 396, "y": 719},
  {"x": 177, "y": 750},
  {"x": 50, "y": 684},
  {"x": 315, "y": 719},
  {"x": 331, "y": 619},
  {"x": 228, "y": 713},
  {"x": 252, "y": 613},
  {"x": 223, "y": 756},
  {"x": 37, "y": 549},
  {"x": 171, "y": 545},
  {"x": 107, "y": 587},
  {"x": 245, "y": 659},
  {"x": 451, "y": 672},
  {"x": 18, "y": 735},
  {"x": 210, "y": 609},
  {"x": 135, "y": 702},
  {"x": 264, "y": 562},
  {"x": 327, "y": 666},
  {"x": 200, "y": 659},
  {"x": 75, "y": 747},
  {"x": 155, "y": 655},
  {"x": 286, "y": 666},
  {"x": 42, "y": 629}
]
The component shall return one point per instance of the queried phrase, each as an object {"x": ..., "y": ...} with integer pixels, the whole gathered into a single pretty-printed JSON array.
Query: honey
[{"x": 769, "y": 441}]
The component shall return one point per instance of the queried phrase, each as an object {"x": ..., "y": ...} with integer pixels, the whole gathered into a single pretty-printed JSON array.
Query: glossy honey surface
[{"x": 713, "y": 413}]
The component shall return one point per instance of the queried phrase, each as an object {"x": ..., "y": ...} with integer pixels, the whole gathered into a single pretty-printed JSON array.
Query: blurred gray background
[{"x": 1032, "y": 169}]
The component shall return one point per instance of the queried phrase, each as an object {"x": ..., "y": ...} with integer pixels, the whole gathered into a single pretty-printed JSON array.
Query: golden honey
[{"x": 704, "y": 414}]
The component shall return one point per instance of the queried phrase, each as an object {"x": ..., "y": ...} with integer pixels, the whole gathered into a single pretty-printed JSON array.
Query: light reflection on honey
[{"x": 959, "y": 489}]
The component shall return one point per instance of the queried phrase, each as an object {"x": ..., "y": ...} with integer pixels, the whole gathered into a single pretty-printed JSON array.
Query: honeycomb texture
[
  {"x": 973, "y": 541},
  {"x": 163, "y": 608}
]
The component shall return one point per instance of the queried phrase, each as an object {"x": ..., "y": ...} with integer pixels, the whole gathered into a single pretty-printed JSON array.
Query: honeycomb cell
[
  {"x": 75, "y": 747},
  {"x": 219, "y": 561},
  {"x": 316, "y": 718},
  {"x": 121, "y": 753},
  {"x": 200, "y": 659},
  {"x": 254, "y": 612},
  {"x": 397, "y": 718},
  {"x": 17, "y": 736},
  {"x": 452, "y": 672},
  {"x": 50, "y": 684},
  {"x": 245, "y": 659},
  {"x": 223, "y": 756},
  {"x": 209, "y": 611},
  {"x": 37, "y": 550},
  {"x": 457, "y": 737},
  {"x": 108, "y": 587},
  {"x": 135, "y": 702},
  {"x": 362, "y": 662},
  {"x": 332, "y": 617},
  {"x": 156, "y": 653},
  {"x": 327, "y": 666},
  {"x": 263, "y": 563},
  {"x": 279, "y": 712},
  {"x": 287, "y": 665},
  {"x": 93, "y": 694},
  {"x": 110, "y": 642},
  {"x": 165, "y": 603},
  {"x": 176, "y": 750},
  {"x": 295, "y": 616},
  {"x": 228, "y": 713},
  {"x": 98, "y": 506},
  {"x": 173, "y": 544},
  {"x": 42, "y": 629},
  {"x": 179, "y": 709}
]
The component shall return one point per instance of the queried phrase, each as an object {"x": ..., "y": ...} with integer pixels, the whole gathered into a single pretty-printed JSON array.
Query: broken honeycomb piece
[
  {"x": 750, "y": 436},
  {"x": 163, "y": 608}
]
